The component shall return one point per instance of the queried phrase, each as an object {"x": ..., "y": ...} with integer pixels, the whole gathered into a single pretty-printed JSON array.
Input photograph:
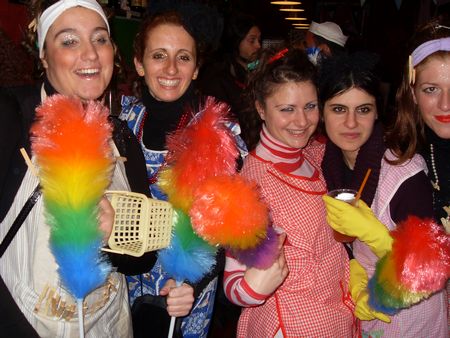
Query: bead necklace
[{"x": 435, "y": 183}]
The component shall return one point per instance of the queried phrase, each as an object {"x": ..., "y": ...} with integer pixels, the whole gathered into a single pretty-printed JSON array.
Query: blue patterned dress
[{"x": 199, "y": 319}]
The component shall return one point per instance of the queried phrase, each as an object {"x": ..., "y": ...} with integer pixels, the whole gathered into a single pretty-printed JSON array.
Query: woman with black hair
[{"x": 349, "y": 97}]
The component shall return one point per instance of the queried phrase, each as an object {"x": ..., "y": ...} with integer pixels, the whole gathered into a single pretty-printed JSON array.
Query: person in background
[
  {"x": 305, "y": 292},
  {"x": 167, "y": 58},
  {"x": 324, "y": 40},
  {"x": 350, "y": 101},
  {"x": 77, "y": 56},
  {"x": 227, "y": 78}
]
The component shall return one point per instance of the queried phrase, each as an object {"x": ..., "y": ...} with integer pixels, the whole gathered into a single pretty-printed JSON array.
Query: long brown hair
[{"x": 407, "y": 135}]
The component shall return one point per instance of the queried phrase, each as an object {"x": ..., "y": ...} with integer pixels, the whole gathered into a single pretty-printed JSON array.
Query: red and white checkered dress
[{"x": 313, "y": 301}]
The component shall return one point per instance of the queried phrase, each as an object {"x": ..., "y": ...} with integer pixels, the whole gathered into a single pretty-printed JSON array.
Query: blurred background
[{"x": 381, "y": 26}]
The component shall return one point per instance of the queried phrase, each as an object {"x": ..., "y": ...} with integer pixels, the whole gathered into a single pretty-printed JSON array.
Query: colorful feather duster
[
  {"x": 188, "y": 257},
  {"x": 72, "y": 149},
  {"x": 204, "y": 149},
  {"x": 263, "y": 255},
  {"x": 225, "y": 209},
  {"x": 228, "y": 211},
  {"x": 417, "y": 266}
]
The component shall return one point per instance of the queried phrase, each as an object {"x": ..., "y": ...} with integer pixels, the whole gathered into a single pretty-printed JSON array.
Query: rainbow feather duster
[
  {"x": 71, "y": 145},
  {"x": 200, "y": 179},
  {"x": 228, "y": 211},
  {"x": 188, "y": 257},
  {"x": 263, "y": 255},
  {"x": 203, "y": 149},
  {"x": 417, "y": 266}
]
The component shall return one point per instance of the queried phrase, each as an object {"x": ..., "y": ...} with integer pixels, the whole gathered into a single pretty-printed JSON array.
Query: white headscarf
[{"x": 49, "y": 16}]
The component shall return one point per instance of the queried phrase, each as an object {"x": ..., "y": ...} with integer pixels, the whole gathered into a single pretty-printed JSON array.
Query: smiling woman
[
  {"x": 298, "y": 295},
  {"x": 77, "y": 54},
  {"x": 81, "y": 53},
  {"x": 168, "y": 51},
  {"x": 349, "y": 96}
]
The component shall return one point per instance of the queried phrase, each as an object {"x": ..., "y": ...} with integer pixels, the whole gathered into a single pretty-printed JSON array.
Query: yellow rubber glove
[
  {"x": 360, "y": 296},
  {"x": 360, "y": 222}
]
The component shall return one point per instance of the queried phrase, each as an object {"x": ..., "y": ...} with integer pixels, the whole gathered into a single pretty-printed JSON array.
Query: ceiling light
[
  {"x": 282, "y": 3},
  {"x": 295, "y": 18},
  {"x": 300, "y": 27},
  {"x": 290, "y": 9},
  {"x": 301, "y": 24}
]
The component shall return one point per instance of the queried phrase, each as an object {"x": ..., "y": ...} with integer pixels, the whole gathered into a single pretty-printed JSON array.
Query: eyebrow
[
  {"x": 344, "y": 105},
  {"x": 73, "y": 30},
  {"x": 180, "y": 50}
]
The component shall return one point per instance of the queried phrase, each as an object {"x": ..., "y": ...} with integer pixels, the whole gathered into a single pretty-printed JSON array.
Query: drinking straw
[{"x": 358, "y": 194}]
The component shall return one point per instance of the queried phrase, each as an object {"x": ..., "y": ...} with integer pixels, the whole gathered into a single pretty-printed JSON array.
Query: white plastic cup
[{"x": 345, "y": 195}]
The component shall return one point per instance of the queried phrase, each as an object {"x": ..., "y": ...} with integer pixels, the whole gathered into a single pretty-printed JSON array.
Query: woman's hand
[
  {"x": 179, "y": 298},
  {"x": 265, "y": 282},
  {"x": 105, "y": 217}
]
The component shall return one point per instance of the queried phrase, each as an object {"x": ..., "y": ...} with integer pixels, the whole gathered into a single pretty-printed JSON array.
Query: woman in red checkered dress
[{"x": 305, "y": 292}]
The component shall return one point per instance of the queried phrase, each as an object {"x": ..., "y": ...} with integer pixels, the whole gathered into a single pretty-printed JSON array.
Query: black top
[
  {"x": 413, "y": 196},
  {"x": 164, "y": 117}
]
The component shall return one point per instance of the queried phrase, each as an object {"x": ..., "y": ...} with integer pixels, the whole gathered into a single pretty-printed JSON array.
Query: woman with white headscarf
[{"x": 77, "y": 55}]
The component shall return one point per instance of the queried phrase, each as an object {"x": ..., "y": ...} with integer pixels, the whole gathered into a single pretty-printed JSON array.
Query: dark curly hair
[{"x": 292, "y": 66}]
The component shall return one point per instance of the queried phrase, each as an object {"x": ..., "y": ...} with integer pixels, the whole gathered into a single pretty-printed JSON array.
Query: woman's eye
[
  {"x": 311, "y": 106},
  {"x": 69, "y": 41},
  {"x": 287, "y": 109},
  {"x": 102, "y": 40},
  {"x": 338, "y": 109},
  {"x": 430, "y": 90},
  {"x": 158, "y": 56},
  {"x": 364, "y": 110},
  {"x": 185, "y": 58}
]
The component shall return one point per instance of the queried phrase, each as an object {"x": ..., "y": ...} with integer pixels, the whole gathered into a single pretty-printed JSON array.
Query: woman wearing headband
[
  {"x": 350, "y": 99},
  {"x": 422, "y": 125},
  {"x": 423, "y": 101},
  {"x": 77, "y": 55}
]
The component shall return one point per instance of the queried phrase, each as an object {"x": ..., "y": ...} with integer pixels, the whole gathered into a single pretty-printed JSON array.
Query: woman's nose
[
  {"x": 444, "y": 101},
  {"x": 89, "y": 52},
  {"x": 300, "y": 119},
  {"x": 171, "y": 67},
  {"x": 350, "y": 120}
]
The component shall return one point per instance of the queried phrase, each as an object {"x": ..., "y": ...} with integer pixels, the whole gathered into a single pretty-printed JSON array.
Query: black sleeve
[
  {"x": 10, "y": 134},
  {"x": 12, "y": 321},
  {"x": 136, "y": 172},
  {"x": 17, "y": 107},
  {"x": 129, "y": 147},
  {"x": 414, "y": 197}
]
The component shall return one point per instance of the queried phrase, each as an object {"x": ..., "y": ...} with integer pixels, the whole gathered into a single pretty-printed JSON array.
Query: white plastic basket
[{"x": 141, "y": 224}]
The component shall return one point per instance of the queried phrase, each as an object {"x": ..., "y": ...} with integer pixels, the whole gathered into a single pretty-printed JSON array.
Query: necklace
[{"x": 434, "y": 183}]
